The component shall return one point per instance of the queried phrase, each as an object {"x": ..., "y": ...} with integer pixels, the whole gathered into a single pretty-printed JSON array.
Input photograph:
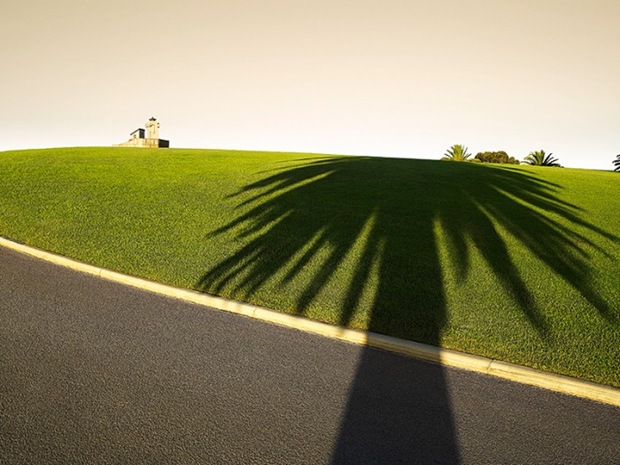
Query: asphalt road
[{"x": 96, "y": 372}]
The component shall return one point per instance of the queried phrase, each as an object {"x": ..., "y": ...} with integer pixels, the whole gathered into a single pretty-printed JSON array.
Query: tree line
[{"x": 536, "y": 158}]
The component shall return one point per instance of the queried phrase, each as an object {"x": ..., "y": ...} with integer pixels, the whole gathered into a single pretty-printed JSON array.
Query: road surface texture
[{"x": 96, "y": 372}]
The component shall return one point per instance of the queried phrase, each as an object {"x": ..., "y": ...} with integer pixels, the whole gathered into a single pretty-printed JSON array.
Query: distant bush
[
  {"x": 540, "y": 158},
  {"x": 496, "y": 157},
  {"x": 457, "y": 153}
]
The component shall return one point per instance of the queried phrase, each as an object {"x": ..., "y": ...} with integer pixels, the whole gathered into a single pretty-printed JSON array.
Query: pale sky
[{"x": 400, "y": 78}]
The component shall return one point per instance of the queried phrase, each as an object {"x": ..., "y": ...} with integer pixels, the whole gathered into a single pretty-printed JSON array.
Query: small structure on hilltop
[{"x": 152, "y": 139}]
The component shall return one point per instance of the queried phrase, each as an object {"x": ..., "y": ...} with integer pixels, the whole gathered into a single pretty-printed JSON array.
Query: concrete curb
[{"x": 558, "y": 383}]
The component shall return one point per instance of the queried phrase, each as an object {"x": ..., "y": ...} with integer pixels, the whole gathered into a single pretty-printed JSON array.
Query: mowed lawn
[{"x": 515, "y": 263}]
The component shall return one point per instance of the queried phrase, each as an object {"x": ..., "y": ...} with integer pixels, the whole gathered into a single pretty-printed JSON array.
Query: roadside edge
[{"x": 524, "y": 375}]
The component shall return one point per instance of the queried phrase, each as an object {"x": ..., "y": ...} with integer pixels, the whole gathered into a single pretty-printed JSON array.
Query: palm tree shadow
[{"x": 326, "y": 207}]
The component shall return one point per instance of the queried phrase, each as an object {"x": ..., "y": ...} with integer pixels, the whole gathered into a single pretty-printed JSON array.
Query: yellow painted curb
[{"x": 558, "y": 383}]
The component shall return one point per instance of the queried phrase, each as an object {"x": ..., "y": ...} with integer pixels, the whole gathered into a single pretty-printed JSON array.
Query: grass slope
[{"x": 515, "y": 263}]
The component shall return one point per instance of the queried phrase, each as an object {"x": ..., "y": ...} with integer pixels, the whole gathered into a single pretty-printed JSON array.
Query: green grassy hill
[{"x": 514, "y": 263}]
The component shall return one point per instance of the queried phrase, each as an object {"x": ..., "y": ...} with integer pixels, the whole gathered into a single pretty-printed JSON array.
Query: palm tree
[
  {"x": 457, "y": 153},
  {"x": 539, "y": 158},
  {"x": 617, "y": 163}
]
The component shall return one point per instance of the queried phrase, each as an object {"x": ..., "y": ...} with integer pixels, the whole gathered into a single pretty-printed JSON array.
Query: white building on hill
[{"x": 152, "y": 139}]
